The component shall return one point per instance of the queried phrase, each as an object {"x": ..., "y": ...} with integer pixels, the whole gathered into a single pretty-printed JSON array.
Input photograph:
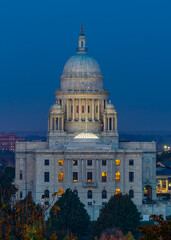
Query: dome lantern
[{"x": 81, "y": 42}]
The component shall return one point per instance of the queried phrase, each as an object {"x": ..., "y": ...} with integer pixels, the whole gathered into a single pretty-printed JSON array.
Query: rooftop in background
[{"x": 8, "y": 140}]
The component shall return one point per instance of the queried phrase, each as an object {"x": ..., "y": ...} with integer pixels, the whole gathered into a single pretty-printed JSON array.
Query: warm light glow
[
  {"x": 60, "y": 176},
  {"x": 117, "y": 162},
  {"x": 61, "y": 191},
  {"x": 117, "y": 176},
  {"x": 89, "y": 180},
  {"x": 60, "y": 162},
  {"x": 86, "y": 135},
  {"x": 104, "y": 174},
  {"x": 117, "y": 191}
]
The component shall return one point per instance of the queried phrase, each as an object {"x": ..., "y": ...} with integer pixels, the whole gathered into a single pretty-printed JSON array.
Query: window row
[
  {"x": 89, "y": 162},
  {"x": 89, "y": 176},
  {"x": 89, "y": 193}
]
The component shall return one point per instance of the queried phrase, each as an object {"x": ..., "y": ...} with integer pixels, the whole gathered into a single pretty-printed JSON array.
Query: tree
[
  {"x": 120, "y": 212},
  {"x": 71, "y": 216},
  {"x": 129, "y": 236},
  {"x": 160, "y": 230},
  {"x": 112, "y": 234}
]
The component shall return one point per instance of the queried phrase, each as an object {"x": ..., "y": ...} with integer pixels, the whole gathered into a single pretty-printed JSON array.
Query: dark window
[
  {"x": 46, "y": 162},
  {"x": 89, "y": 162},
  {"x": 104, "y": 194},
  {"x": 46, "y": 193},
  {"x": 110, "y": 124},
  {"x": 21, "y": 194},
  {"x": 96, "y": 109},
  {"x": 77, "y": 109},
  {"x": 75, "y": 176},
  {"x": 89, "y": 176},
  {"x": 76, "y": 193},
  {"x": 104, "y": 203},
  {"x": 89, "y": 203},
  {"x": 131, "y": 162},
  {"x": 89, "y": 194},
  {"x": 46, "y": 176},
  {"x": 82, "y": 109},
  {"x": 131, "y": 193},
  {"x": 131, "y": 176},
  {"x": 81, "y": 43},
  {"x": 29, "y": 193},
  {"x": 21, "y": 175},
  {"x": 88, "y": 109},
  {"x": 75, "y": 162},
  {"x": 71, "y": 109},
  {"x": 103, "y": 162}
]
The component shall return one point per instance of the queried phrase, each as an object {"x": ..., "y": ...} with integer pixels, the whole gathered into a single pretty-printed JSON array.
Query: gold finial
[{"x": 81, "y": 28}]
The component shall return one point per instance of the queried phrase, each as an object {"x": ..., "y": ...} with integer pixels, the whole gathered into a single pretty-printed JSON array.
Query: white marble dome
[{"x": 81, "y": 66}]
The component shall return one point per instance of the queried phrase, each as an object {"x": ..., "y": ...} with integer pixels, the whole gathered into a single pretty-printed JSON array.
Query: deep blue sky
[{"x": 130, "y": 39}]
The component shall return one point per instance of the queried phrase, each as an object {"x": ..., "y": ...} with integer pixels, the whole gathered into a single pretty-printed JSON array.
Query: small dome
[
  {"x": 110, "y": 105},
  {"x": 56, "y": 106},
  {"x": 86, "y": 135}
]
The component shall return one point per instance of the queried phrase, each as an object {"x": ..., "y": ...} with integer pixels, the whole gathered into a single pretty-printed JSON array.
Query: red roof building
[{"x": 8, "y": 140}]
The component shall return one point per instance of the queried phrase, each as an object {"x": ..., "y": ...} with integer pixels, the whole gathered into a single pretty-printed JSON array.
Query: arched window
[
  {"x": 104, "y": 194},
  {"x": 131, "y": 193},
  {"x": 75, "y": 192},
  {"x": 81, "y": 43},
  {"x": 46, "y": 193},
  {"x": 89, "y": 194}
]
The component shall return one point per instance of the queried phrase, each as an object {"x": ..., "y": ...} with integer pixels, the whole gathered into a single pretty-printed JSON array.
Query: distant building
[
  {"x": 83, "y": 151},
  {"x": 8, "y": 140},
  {"x": 163, "y": 176}
]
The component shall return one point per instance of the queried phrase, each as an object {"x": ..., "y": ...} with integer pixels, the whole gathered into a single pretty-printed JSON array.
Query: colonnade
[
  {"x": 56, "y": 123},
  {"x": 110, "y": 123}
]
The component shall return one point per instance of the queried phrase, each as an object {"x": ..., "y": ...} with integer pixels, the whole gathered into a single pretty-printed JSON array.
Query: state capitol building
[{"x": 83, "y": 151}]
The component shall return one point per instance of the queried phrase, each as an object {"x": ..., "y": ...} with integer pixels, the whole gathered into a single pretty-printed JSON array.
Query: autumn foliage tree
[{"x": 161, "y": 230}]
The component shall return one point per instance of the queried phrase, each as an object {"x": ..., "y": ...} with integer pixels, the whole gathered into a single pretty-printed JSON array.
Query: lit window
[
  {"x": 60, "y": 162},
  {"x": 89, "y": 162},
  {"x": 60, "y": 176},
  {"x": 117, "y": 191},
  {"x": 75, "y": 162},
  {"x": 89, "y": 176},
  {"x": 75, "y": 176},
  {"x": 104, "y": 176},
  {"x": 103, "y": 162},
  {"x": 117, "y": 176},
  {"x": 46, "y": 162},
  {"x": 61, "y": 191},
  {"x": 117, "y": 162}
]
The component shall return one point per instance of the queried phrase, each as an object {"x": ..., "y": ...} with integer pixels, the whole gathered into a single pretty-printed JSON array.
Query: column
[
  {"x": 98, "y": 109},
  {"x": 80, "y": 109},
  {"x": 51, "y": 123},
  {"x": 92, "y": 109},
  {"x": 115, "y": 123},
  {"x": 67, "y": 109},
  {"x": 86, "y": 110},
  {"x": 55, "y": 124},
  {"x": 108, "y": 123},
  {"x": 104, "y": 123},
  {"x": 112, "y": 123},
  {"x": 73, "y": 109},
  {"x": 62, "y": 123}
]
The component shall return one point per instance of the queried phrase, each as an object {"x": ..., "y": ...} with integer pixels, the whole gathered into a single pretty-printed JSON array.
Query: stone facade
[{"x": 94, "y": 164}]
